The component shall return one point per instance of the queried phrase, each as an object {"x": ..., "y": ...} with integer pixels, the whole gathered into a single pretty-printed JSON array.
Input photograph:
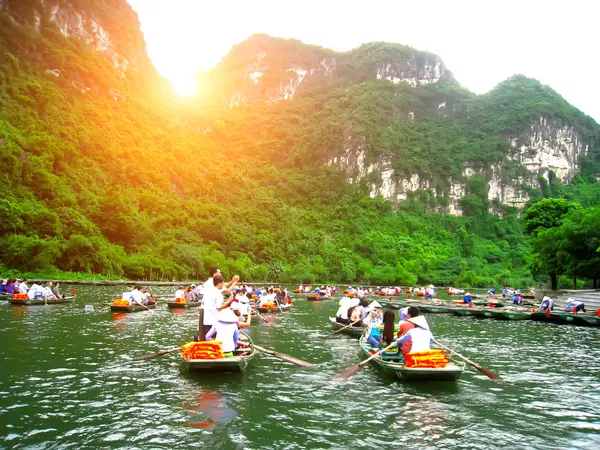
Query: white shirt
[
  {"x": 342, "y": 312},
  {"x": 225, "y": 332},
  {"x": 137, "y": 296},
  {"x": 23, "y": 288},
  {"x": 47, "y": 292},
  {"x": 126, "y": 296},
  {"x": 213, "y": 299},
  {"x": 34, "y": 289},
  {"x": 421, "y": 339},
  {"x": 267, "y": 298},
  {"x": 179, "y": 293}
]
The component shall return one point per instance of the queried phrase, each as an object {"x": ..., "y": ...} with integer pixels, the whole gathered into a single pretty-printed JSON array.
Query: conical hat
[
  {"x": 227, "y": 315},
  {"x": 419, "y": 321},
  {"x": 374, "y": 304},
  {"x": 349, "y": 301}
]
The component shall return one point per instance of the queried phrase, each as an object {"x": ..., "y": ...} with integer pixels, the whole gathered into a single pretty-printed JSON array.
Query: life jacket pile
[
  {"x": 121, "y": 302},
  {"x": 203, "y": 350},
  {"x": 180, "y": 300},
  {"x": 433, "y": 359},
  {"x": 20, "y": 297},
  {"x": 268, "y": 305}
]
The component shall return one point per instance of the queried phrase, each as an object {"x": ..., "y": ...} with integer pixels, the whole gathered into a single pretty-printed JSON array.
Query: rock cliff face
[
  {"x": 546, "y": 145},
  {"x": 110, "y": 27},
  {"x": 272, "y": 69}
]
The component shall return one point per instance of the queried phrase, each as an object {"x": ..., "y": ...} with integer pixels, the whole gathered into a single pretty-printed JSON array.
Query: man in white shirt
[
  {"x": 23, "y": 288},
  {"x": 137, "y": 295},
  {"x": 213, "y": 302},
  {"x": 180, "y": 293},
  {"x": 227, "y": 287}
]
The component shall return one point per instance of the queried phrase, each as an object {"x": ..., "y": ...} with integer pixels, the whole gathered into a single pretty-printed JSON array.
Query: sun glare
[{"x": 185, "y": 86}]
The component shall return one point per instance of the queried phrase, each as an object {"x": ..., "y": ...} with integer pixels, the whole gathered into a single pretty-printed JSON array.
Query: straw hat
[
  {"x": 374, "y": 304},
  {"x": 419, "y": 321},
  {"x": 404, "y": 313},
  {"x": 227, "y": 315},
  {"x": 431, "y": 286},
  {"x": 244, "y": 299},
  {"x": 349, "y": 301},
  {"x": 234, "y": 306}
]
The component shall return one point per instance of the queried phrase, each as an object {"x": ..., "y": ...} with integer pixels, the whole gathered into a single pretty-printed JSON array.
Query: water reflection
[{"x": 210, "y": 407}]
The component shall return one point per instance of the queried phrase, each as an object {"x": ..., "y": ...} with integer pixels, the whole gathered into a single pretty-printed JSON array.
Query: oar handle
[
  {"x": 349, "y": 325},
  {"x": 377, "y": 354}
]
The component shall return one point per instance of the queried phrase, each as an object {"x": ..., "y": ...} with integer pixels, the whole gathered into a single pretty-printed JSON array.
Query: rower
[
  {"x": 406, "y": 325},
  {"x": 420, "y": 336},
  {"x": 468, "y": 298},
  {"x": 373, "y": 334},
  {"x": 574, "y": 306},
  {"x": 517, "y": 299},
  {"x": 547, "y": 303}
]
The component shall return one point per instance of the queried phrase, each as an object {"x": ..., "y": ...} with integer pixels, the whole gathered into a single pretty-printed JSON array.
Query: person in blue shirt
[
  {"x": 574, "y": 304},
  {"x": 468, "y": 298},
  {"x": 3, "y": 286},
  {"x": 517, "y": 299},
  {"x": 547, "y": 303}
]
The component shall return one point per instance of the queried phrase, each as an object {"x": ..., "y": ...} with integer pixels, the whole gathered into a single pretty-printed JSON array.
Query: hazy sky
[{"x": 481, "y": 41}]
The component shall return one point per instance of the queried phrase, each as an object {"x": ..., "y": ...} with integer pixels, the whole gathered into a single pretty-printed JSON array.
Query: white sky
[{"x": 481, "y": 41}]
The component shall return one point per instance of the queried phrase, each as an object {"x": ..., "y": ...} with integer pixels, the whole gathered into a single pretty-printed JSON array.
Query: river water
[{"x": 68, "y": 380}]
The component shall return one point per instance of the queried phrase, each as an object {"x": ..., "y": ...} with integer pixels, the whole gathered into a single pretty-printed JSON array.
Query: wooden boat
[
  {"x": 350, "y": 331},
  {"x": 586, "y": 319},
  {"x": 40, "y": 301},
  {"x": 133, "y": 307},
  {"x": 319, "y": 297},
  {"x": 510, "y": 314},
  {"x": 560, "y": 317},
  {"x": 5, "y": 297},
  {"x": 173, "y": 305},
  {"x": 236, "y": 363},
  {"x": 451, "y": 372},
  {"x": 275, "y": 309}
]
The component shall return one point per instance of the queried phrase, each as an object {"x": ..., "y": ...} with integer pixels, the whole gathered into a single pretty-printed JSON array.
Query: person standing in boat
[
  {"x": 547, "y": 303},
  {"x": 227, "y": 287},
  {"x": 420, "y": 336},
  {"x": 213, "y": 302},
  {"x": 574, "y": 306}
]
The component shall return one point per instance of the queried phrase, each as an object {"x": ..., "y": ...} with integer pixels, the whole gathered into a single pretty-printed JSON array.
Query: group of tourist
[{"x": 49, "y": 290}]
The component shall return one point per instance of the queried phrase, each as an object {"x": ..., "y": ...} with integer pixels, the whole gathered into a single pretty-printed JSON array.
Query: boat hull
[
  {"x": 132, "y": 308},
  {"x": 37, "y": 301},
  {"x": 273, "y": 310},
  {"x": 233, "y": 364},
  {"x": 350, "y": 331},
  {"x": 177, "y": 305},
  {"x": 450, "y": 373}
]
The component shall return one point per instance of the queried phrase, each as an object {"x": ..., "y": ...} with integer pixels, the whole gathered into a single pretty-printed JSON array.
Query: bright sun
[{"x": 185, "y": 85}]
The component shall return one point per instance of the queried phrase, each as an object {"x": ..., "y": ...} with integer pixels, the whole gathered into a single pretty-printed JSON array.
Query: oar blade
[
  {"x": 488, "y": 373},
  {"x": 153, "y": 355},
  {"x": 347, "y": 373}
]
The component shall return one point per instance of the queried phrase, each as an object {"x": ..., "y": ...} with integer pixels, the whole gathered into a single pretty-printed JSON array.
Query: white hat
[
  {"x": 235, "y": 306},
  {"x": 432, "y": 286},
  {"x": 227, "y": 315},
  {"x": 349, "y": 301},
  {"x": 419, "y": 321},
  {"x": 244, "y": 299},
  {"x": 374, "y": 304}
]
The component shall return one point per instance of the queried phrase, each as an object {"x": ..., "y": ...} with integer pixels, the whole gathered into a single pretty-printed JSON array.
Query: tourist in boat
[
  {"x": 420, "y": 336},
  {"x": 36, "y": 291},
  {"x": 363, "y": 308},
  {"x": 547, "y": 303},
  {"x": 468, "y": 298},
  {"x": 126, "y": 295},
  {"x": 268, "y": 298},
  {"x": 373, "y": 334},
  {"x": 517, "y": 299},
  {"x": 146, "y": 296},
  {"x": 23, "y": 288},
  {"x": 227, "y": 287},
  {"x": 429, "y": 292},
  {"x": 180, "y": 293},
  {"x": 47, "y": 291},
  {"x": 490, "y": 294},
  {"x": 3, "y": 286},
  {"x": 56, "y": 290},
  {"x": 244, "y": 303},
  {"x": 10, "y": 286},
  {"x": 213, "y": 302},
  {"x": 242, "y": 321},
  {"x": 137, "y": 296},
  {"x": 193, "y": 296},
  {"x": 406, "y": 325},
  {"x": 574, "y": 306},
  {"x": 389, "y": 325},
  {"x": 225, "y": 326}
]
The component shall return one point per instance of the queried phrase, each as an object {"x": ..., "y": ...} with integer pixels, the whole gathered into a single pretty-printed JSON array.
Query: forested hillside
[{"x": 106, "y": 172}]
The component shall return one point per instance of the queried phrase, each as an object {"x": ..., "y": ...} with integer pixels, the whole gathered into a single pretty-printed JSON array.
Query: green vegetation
[{"x": 124, "y": 180}]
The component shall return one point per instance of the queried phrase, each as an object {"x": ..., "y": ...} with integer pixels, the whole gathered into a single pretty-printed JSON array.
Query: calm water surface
[{"x": 67, "y": 380}]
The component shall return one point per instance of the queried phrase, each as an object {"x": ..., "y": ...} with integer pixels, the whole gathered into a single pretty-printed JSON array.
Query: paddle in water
[
  {"x": 488, "y": 373},
  {"x": 352, "y": 370},
  {"x": 284, "y": 357},
  {"x": 155, "y": 355}
]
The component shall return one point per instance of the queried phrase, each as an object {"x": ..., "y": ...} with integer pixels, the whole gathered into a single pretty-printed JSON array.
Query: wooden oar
[
  {"x": 142, "y": 305},
  {"x": 258, "y": 314},
  {"x": 352, "y": 370},
  {"x": 488, "y": 373},
  {"x": 284, "y": 357},
  {"x": 349, "y": 325},
  {"x": 155, "y": 355}
]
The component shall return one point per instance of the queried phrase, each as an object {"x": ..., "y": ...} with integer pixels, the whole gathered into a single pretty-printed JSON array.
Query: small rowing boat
[
  {"x": 181, "y": 305},
  {"x": 132, "y": 307},
  {"x": 273, "y": 309},
  {"x": 40, "y": 301},
  {"x": 395, "y": 366},
  {"x": 354, "y": 331},
  {"x": 236, "y": 363}
]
